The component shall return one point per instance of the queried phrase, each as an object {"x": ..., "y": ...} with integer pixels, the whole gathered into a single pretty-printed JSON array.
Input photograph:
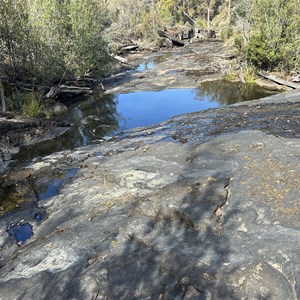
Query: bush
[
  {"x": 31, "y": 105},
  {"x": 261, "y": 54},
  {"x": 238, "y": 43},
  {"x": 249, "y": 74},
  {"x": 41, "y": 40}
]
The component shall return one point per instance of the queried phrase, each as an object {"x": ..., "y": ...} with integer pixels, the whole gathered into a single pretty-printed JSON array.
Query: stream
[{"x": 103, "y": 116}]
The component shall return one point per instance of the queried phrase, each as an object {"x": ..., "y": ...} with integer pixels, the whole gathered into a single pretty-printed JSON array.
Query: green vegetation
[
  {"x": 249, "y": 74},
  {"x": 42, "y": 42},
  {"x": 271, "y": 33},
  {"x": 230, "y": 77},
  {"x": 265, "y": 32},
  {"x": 31, "y": 105}
]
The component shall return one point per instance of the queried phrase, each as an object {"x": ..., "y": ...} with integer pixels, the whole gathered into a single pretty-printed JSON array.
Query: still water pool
[
  {"x": 148, "y": 108},
  {"x": 102, "y": 116}
]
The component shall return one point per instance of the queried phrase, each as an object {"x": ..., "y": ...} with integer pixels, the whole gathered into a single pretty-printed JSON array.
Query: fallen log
[
  {"x": 192, "y": 20},
  {"x": 119, "y": 58},
  {"x": 68, "y": 90},
  {"x": 86, "y": 82},
  {"x": 278, "y": 80},
  {"x": 204, "y": 34},
  {"x": 174, "y": 40},
  {"x": 129, "y": 48}
]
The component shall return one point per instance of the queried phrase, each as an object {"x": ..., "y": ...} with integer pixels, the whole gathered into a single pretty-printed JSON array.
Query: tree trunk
[
  {"x": 3, "y": 104},
  {"x": 208, "y": 13},
  {"x": 174, "y": 40},
  {"x": 229, "y": 12},
  {"x": 208, "y": 17},
  {"x": 193, "y": 21}
]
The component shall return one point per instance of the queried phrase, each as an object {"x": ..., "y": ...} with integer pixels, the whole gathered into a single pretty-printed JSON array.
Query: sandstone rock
[{"x": 147, "y": 217}]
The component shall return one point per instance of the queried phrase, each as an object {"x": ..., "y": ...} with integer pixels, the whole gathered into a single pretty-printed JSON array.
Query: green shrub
[
  {"x": 249, "y": 74},
  {"x": 230, "y": 77},
  {"x": 226, "y": 33},
  {"x": 238, "y": 43},
  {"x": 31, "y": 105},
  {"x": 261, "y": 54}
]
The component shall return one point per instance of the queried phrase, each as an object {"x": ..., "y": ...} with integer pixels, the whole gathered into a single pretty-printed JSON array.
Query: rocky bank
[
  {"x": 184, "y": 67},
  {"x": 202, "y": 206}
]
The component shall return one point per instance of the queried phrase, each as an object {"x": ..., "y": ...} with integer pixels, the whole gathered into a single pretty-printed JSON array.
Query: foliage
[
  {"x": 260, "y": 54},
  {"x": 41, "y": 40},
  {"x": 230, "y": 77},
  {"x": 31, "y": 105},
  {"x": 87, "y": 47},
  {"x": 226, "y": 33},
  {"x": 249, "y": 74},
  {"x": 274, "y": 36},
  {"x": 239, "y": 43},
  {"x": 137, "y": 19}
]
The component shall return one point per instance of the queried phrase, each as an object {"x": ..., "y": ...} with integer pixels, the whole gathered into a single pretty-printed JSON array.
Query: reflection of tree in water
[
  {"x": 93, "y": 119},
  {"x": 161, "y": 58},
  {"x": 226, "y": 92}
]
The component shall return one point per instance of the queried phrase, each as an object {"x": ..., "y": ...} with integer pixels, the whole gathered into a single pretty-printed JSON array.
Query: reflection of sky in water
[
  {"x": 103, "y": 115},
  {"x": 146, "y": 66},
  {"x": 52, "y": 188},
  {"x": 148, "y": 108},
  {"x": 21, "y": 232}
]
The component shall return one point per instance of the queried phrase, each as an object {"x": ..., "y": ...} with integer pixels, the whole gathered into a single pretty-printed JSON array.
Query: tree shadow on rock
[{"x": 180, "y": 255}]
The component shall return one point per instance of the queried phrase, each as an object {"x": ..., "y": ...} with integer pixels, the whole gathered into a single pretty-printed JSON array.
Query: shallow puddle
[
  {"x": 29, "y": 191},
  {"x": 148, "y": 108},
  {"x": 51, "y": 188},
  {"x": 27, "y": 194},
  {"x": 21, "y": 232},
  {"x": 148, "y": 65}
]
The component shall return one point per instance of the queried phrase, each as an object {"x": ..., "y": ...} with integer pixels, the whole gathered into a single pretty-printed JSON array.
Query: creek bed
[{"x": 103, "y": 116}]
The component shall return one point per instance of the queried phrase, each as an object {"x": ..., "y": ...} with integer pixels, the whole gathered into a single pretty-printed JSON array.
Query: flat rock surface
[
  {"x": 203, "y": 206},
  {"x": 180, "y": 68}
]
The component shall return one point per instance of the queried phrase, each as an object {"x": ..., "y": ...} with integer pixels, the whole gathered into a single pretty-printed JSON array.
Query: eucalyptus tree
[{"x": 70, "y": 34}]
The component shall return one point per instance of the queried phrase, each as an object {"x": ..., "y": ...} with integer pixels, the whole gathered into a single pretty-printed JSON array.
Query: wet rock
[
  {"x": 173, "y": 69},
  {"x": 59, "y": 108},
  {"x": 21, "y": 232},
  {"x": 148, "y": 217}
]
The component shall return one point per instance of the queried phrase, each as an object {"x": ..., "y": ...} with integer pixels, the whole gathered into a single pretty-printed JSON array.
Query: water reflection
[
  {"x": 91, "y": 120},
  {"x": 147, "y": 65},
  {"x": 104, "y": 115},
  {"x": 21, "y": 232},
  {"x": 226, "y": 92},
  {"x": 148, "y": 108}
]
